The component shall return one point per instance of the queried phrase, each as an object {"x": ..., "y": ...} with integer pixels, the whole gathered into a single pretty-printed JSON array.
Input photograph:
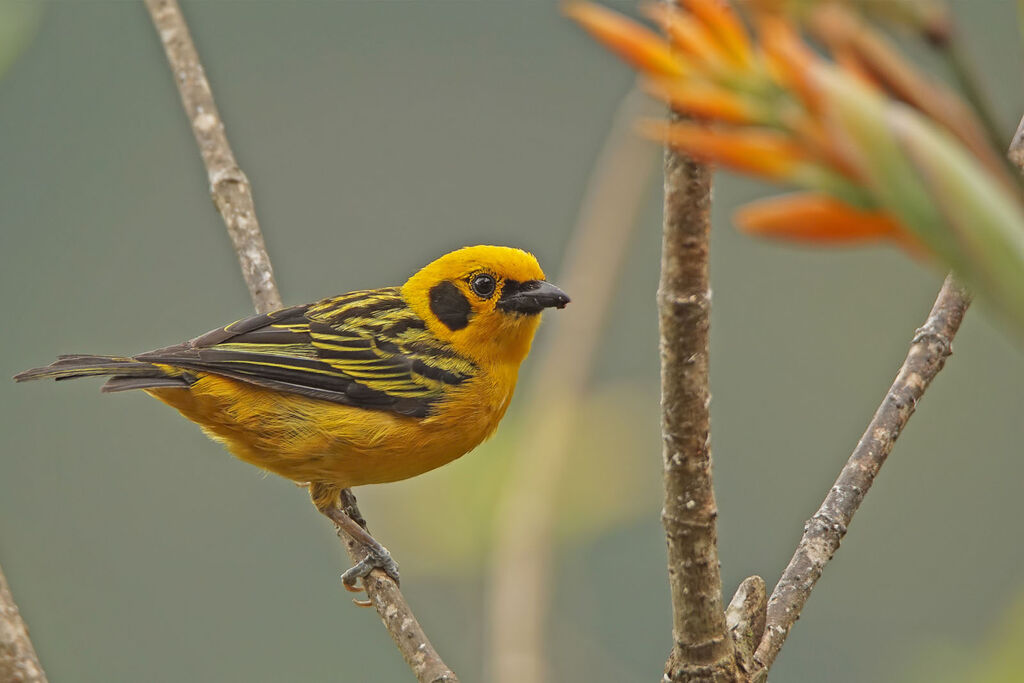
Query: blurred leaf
[
  {"x": 936, "y": 188},
  {"x": 19, "y": 22},
  {"x": 1020, "y": 17},
  {"x": 996, "y": 660},
  {"x": 927, "y": 16}
]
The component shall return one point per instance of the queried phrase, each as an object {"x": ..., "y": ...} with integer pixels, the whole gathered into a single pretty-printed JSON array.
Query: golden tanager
[{"x": 366, "y": 387}]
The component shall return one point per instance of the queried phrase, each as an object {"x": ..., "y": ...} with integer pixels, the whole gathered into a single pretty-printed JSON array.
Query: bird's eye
[{"x": 483, "y": 285}]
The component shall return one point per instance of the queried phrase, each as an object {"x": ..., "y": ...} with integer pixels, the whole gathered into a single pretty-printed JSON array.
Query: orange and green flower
[{"x": 878, "y": 151}]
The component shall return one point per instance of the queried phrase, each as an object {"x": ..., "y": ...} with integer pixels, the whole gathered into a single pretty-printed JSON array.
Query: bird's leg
[
  {"x": 377, "y": 556},
  {"x": 329, "y": 501},
  {"x": 350, "y": 506}
]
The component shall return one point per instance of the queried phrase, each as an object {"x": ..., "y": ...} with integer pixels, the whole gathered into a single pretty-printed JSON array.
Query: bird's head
[{"x": 486, "y": 301}]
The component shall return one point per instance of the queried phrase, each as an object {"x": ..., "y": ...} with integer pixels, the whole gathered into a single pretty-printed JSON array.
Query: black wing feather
[{"x": 365, "y": 349}]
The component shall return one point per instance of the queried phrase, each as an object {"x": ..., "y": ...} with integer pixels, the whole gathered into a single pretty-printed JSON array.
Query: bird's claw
[{"x": 376, "y": 558}]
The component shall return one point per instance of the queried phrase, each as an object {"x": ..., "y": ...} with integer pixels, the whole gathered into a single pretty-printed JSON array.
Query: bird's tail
[{"x": 124, "y": 373}]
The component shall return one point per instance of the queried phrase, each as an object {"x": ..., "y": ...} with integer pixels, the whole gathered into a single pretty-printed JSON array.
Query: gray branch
[{"x": 931, "y": 345}]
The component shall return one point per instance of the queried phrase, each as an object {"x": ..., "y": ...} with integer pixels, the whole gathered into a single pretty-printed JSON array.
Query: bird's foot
[
  {"x": 377, "y": 557},
  {"x": 346, "y": 517}
]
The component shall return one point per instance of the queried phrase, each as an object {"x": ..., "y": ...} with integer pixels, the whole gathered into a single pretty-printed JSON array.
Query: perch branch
[
  {"x": 230, "y": 190},
  {"x": 931, "y": 345},
  {"x": 394, "y": 611},
  {"x": 702, "y": 648},
  {"x": 521, "y": 566},
  {"x": 18, "y": 660}
]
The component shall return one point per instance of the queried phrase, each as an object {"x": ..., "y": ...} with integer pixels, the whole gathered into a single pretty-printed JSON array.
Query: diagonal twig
[
  {"x": 233, "y": 197},
  {"x": 928, "y": 352},
  {"x": 18, "y": 660},
  {"x": 931, "y": 345}
]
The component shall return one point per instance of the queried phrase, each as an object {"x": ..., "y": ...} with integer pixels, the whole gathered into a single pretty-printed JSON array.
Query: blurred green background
[{"x": 379, "y": 135}]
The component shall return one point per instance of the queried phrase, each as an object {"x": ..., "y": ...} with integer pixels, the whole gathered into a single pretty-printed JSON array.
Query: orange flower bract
[
  {"x": 636, "y": 44},
  {"x": 815, "y": 218},
  {"x": 721, "y": 19},
  {"x": 885, "y": 153},
  {"x": 704, "y": 100},
  {"x": 762, "y": 152}
]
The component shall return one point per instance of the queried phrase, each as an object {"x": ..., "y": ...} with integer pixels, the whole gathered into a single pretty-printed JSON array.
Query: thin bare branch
[
  {"x": 931, "y": 345},
  {"x": 18, "y": 660},
  {"x": 229, "y": 187},
  {"x": 232, "y": 195},
  {"x": 702, "y": 648},
  {"x": 520, "y": 585},
  {"x": 928, "y": 352}
]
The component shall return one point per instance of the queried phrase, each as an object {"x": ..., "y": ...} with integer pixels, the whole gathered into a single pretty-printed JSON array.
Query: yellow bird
[{"x": 363, "y": 388}]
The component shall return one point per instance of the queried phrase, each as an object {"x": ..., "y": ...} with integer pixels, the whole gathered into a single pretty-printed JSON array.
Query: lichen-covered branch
[
  {"x": 18, "y": 660},
  {"x": 229, "y": 187},
  {"x": 232, "y": 195},
  {"x": 702, "y": 649},
  {"x": 931, "y": 345}
]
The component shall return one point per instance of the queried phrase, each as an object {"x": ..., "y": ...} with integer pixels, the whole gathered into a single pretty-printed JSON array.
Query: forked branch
[{"x": 233, "y": 197}]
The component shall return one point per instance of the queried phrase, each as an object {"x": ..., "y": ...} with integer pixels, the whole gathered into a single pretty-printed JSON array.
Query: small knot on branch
[
  {"x": 827, "y": 523},
  {"x": 226, "y": 174},
  {"x": 699, "y": 300},
  {"x": 942, "y": 344}
]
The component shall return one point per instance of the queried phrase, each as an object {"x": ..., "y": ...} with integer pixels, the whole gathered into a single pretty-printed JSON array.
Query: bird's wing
[{"x": 364, "y": 349}]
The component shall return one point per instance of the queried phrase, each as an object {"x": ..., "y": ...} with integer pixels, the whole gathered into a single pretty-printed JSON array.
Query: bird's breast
[
  {"x": 406, "y": 447},
  {"x": 306, "y": 439}
]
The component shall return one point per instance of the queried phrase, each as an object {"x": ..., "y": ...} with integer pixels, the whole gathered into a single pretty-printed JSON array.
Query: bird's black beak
[{"x": 531, "y": 297}]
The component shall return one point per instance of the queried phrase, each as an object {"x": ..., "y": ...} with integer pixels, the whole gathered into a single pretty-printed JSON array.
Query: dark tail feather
[
  {"x": 115, "y": 384},
  {"x": 125, "y": 373}
]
